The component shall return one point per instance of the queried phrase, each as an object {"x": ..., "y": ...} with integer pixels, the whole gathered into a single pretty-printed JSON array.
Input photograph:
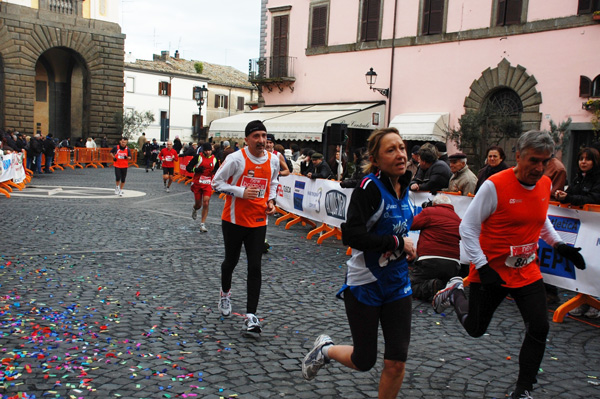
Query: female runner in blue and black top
[{"x": 377, "y": 288}]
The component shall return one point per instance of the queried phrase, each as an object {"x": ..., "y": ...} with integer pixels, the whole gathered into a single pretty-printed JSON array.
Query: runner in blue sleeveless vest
[{"x": 377, "y": 288}]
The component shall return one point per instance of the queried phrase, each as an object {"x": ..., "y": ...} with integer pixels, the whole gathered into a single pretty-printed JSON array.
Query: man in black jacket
[
  {"x": 48, "y": 147},
  {"x": 35, "y": 153},
  {"x": 321, "y": 169},
  {"x": 433, "y": 175}
]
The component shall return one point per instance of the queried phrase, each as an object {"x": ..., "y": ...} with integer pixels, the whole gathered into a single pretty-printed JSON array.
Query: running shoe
[
  {"x": 203, "y": 228},
  {"x": 168, "y": 190},
  {"x": 225, "y": 304},
  {"x": 121, "y": 192},
  {"x": 315, "y": 359},
  {"x": 117, "y": 190},
  {"x": 252, "y": 324},
  {"x": 524, "y": 395},
  {"x": 194, "y": 213},
  {"x": 593, "y": 313},
  {"x": 579, "y": 310},
  {"x": 442, "y": 300}
]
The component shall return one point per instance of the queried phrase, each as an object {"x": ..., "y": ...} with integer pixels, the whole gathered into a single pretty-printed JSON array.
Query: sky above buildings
[{"x": 225, "y": 32}]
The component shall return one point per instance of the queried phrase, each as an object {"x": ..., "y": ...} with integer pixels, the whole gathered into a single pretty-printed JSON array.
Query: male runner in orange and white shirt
[
  {"x": 168, "y": 156},
  {"x": 249, "y": 179},
  {"x": 500, "y": 232}
]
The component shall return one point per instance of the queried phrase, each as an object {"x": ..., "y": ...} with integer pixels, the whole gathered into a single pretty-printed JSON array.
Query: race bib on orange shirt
[
  {"x": 521, "y": 255},
  {"x": 255, "y": 182}
]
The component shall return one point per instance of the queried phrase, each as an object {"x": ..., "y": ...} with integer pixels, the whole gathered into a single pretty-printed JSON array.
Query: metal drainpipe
[{"x": 392, "y": 65}]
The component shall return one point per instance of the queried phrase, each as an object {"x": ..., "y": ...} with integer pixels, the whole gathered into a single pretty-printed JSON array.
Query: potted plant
[
  {"x": 596, "y": 15},
  {"x": 591, "y": 105}
]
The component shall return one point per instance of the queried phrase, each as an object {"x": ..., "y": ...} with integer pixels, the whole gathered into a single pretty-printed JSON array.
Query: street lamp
[
  {"x": 200, "y": 94},
  {"x": 371, "y": 77}
]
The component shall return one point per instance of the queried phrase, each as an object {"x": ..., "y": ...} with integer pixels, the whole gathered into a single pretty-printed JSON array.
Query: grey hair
[
  {"x": 441, "y": 199},
  {"x": 536, "y": 140}
]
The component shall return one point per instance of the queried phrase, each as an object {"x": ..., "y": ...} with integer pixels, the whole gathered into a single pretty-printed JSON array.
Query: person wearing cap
[
  {"x": 177, "y": 145},
  {"x": 433, "y": 175},
  {"x": 284, "y": 170},
  {"x": 321, "y": 170},
  {"x": 249, "y": 179},
  {"x": 463, "y": 179},
  {"x": 441, "y": 148},
  {"x": 203, "y": 166},
  {"x": 168, "y": 156},
  {"x": 413, "y": 164}
]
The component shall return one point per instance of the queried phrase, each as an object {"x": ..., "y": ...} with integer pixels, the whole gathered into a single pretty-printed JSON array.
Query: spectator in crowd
[
  {"x": 495, "y": 157},
  {"x": 586, "y": 185},
  {"x": 462, "y": 179},
  {"x": 557, "y": 173},
  {"x": 79, "y": 143},
  {"x": 438, "y": 248},
  {"x": 413, "y": 163},
  {"x": 360, "y": 161},
  {"x": 227, "y": 150},
  {"x": 278, "y": 148},
  {"x": 338, "y": 165},
  {"x": 142, "y": 141},
  {"x": 218, "y": 151},
  {"x": 284, "y": 170},
  {"x": 35, "y": 150},
  {"x": 306, "y": 165},
  {"x": 236, "y": 146},
  {"x": 177, "y": 145},
  {"x": 48, "y": 146},
  {"x": 104, "y": 142},
  {"x": 65, "y": 143},
  {"x": 433, "y": 174},
  {"x": 321, "y": 170},
  {"x": 21, "y": 141},
  {"x": 193, "y": 150},
  {"x": 442, "y": 154},
  {"x": 90, "y": 143},
  {"x": 8, "y": 139},
  {"x": 295, "y": 152}
]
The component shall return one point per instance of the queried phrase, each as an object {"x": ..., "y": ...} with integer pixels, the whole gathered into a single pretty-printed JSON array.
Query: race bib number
[
  {"x": 121, "y": 156},
  {"x": 205, "y": 181},
  {"x": 169, "y": 158},
  {"x": 521, "y": 255},
  {"x": 256, "y": 182}
]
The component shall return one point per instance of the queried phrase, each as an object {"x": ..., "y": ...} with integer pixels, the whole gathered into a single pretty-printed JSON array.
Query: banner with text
[
  {"x": 326, "y": 202},
  {"x": 11, "y": 167}
]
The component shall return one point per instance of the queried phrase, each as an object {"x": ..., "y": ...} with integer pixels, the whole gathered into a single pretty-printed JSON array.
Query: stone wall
[{"x": 26, "y": 33}]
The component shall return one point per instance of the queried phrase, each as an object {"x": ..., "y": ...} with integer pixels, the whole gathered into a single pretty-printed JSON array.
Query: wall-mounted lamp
[{"x": 371, "y": 77}]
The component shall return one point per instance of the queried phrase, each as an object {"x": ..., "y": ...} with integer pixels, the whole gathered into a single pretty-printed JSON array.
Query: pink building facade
[{"x": 435, "y": 57}]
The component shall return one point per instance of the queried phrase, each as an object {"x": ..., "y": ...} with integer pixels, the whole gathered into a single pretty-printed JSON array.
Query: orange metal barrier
[
  {"x": 62, "y": 157},
  {"x": 578, "y": 300},
  {"x": 133, "y": 160},
  {"x": 105, "y": 157}
]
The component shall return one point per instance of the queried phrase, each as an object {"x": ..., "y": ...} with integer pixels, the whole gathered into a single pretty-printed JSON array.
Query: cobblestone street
[{"x": 116, "y": 297}]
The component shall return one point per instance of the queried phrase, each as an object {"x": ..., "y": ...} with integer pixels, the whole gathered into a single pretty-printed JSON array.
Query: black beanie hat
[
  {"x": 207, "y": 147},
  {"x": 253, "y": 126}
]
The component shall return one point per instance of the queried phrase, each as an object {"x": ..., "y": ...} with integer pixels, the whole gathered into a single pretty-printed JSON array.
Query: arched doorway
[{"x": 62, "y": 94}]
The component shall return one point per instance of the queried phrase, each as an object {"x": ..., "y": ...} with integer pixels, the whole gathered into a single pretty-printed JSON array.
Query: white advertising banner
[
  {"x": 11, "y": 167},
  {"x": 324, "y": 201}
]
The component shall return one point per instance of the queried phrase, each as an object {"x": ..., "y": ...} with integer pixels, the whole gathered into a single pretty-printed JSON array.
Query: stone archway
[{"x": 515, "y": 78}]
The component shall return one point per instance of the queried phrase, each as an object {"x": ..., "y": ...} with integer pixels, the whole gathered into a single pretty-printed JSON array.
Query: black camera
[{"x": 426, "y": 204}]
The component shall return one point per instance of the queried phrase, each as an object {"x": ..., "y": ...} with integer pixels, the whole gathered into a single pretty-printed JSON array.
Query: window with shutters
[
  {"x": 508, "y": 12},
  {"x": 588, "y": 87},
  {"x": 370, "y": 19},
  {"x": 588, "y": 6},
  {"x": 221, "y": 101},
  {"x": 433, "y": 17},
  {"x": 280, "y": 46},
  {"x": 164, "y": 89},
  {"x": 240, "y": 103},
  {"x": 318, "y": 25}
]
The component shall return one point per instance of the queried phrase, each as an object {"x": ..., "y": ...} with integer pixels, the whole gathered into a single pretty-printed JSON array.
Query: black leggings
[
  {"x": 121, "y": 174},
  {"x": 395, "y": 318},
  {"x": 476, "y": 313},
  {"x": 253, "y": 239}
]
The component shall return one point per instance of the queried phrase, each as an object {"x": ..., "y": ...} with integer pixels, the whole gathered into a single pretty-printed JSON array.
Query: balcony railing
[
  {"x": 67, "y": 7},
  {"x": 271, "y": 68}
]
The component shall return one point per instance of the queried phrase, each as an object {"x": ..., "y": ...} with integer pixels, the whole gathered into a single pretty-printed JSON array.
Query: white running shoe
[
  {"x": 442, "y": 300},
  {"x": 592, "y": 313},
  {"x": 315, "y": 359},
  {"x": 168, "y": 190},
  {"x": 225, "y": 304},
  {"x": 252, "y": 324},
  {"x": 117, "y": 190},
  {"x": 121, "y": 192},
  {"x": 203, "y": 228},
  {"x": 194, "y": 213}
]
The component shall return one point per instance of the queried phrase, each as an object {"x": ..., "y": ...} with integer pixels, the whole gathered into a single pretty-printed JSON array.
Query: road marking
[{"x": 75, "y": 192}]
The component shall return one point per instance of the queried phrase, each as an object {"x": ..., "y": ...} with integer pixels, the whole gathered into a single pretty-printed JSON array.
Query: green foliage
[
  {"x": 479, "y": 130},
  {"x": 133, "y": 123},
  {"x": 199, "y": 67},
  {"x": 560, "y": 134}
]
